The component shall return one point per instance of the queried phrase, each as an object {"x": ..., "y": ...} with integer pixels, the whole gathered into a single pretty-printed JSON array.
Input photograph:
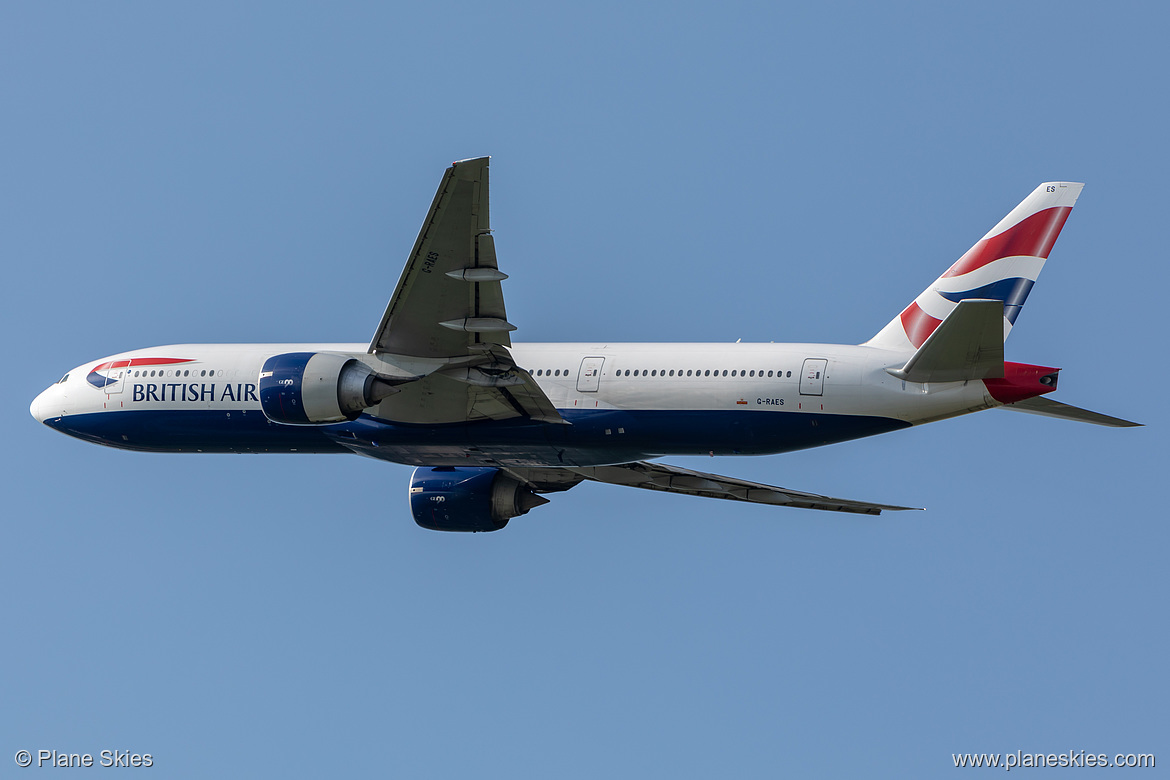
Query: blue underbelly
[{"x": 593, "y": 437}]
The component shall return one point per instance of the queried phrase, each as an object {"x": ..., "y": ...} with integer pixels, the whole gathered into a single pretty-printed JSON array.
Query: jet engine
[
  {"x": 468, "y": 499},
  {"x": 312, "y": 388}
]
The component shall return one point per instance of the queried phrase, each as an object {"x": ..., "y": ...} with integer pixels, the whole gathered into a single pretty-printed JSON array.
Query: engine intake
[
  {"x": 313, "y": 388},
  {"x": 468, "y": 499}
]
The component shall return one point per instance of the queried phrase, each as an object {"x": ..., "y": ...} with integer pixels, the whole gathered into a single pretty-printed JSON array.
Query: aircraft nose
[{"x": 39, "y": 408}]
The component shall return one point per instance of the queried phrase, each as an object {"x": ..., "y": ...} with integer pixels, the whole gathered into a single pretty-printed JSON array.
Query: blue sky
[{"x": 662, "y": 172}]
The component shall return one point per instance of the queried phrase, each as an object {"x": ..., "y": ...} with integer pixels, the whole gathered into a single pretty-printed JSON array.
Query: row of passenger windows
[
  {"x": 679, "y": 372},
  {"x": 179, "y": 373},
  {"x": 716, "y": 372}
]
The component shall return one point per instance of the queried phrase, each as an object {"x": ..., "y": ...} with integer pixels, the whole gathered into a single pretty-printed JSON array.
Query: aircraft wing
[
  {"x": 449, "y": 305},
  {"x": 448, "y": 301},
  {"x": 672, "y": 479}
]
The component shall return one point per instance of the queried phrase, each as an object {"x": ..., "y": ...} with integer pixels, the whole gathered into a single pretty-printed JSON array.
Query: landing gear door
[
  {"x": 590, "y": 375},
  {"x": 812, "y": 378}
]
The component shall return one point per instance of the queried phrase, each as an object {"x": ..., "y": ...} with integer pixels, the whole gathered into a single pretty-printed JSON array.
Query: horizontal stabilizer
[
  {"x": 967, "y": 345},
  {"x": 1049, "y": 408}
]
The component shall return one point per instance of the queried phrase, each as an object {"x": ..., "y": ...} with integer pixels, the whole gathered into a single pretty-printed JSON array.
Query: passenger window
[
  {"x": 707, "y": 372},
  {"x": 672, "y": 372},
  {"x": 654, "y": 372},
  {"x": 688, "y": 372},
  {"x": 752, "y": 373},
  {"x": 789, "y": 373}
]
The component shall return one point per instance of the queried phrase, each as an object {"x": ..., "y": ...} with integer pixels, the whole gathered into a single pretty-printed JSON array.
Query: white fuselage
[{"x": 622, "y": 400}]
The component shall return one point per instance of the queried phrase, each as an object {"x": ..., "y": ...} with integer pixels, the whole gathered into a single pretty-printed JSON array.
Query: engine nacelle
[
  {"x": 313, "y": 388},
  {"x": 468, "y": 499}
]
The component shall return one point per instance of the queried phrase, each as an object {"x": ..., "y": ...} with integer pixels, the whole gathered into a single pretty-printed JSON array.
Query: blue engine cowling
[
  {"x": 468, "y": 499},
  {"x": 314, "y": 388}
]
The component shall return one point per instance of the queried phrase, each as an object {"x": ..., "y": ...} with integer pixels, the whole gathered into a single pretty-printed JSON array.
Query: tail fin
[{"x": 1002, "y": 266}]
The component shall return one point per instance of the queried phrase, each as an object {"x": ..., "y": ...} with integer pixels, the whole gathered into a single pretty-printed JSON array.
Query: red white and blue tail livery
[
  {"x": 1002, "y": 266},
  {"x": 493, "y": 426}
]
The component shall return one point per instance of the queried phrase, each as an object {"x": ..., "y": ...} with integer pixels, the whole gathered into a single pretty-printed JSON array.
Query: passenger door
[
  {"x": 590, "y": 374},
  {"x": 812, "y": 378}
]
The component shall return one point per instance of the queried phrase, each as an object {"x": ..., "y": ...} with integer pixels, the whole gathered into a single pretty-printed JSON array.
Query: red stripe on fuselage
[
  {"x": 141, "y": 362},
  {"x": 1031, "y": 237}
]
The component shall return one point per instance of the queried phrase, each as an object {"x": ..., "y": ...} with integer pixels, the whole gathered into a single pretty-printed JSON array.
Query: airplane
[{"x": 493, "y": 427}]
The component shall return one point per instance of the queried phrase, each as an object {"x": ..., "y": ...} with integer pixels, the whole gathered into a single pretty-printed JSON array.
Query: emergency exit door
[
  {"x": 590, "y": 374},
  {"x": 812, "y": 378}
]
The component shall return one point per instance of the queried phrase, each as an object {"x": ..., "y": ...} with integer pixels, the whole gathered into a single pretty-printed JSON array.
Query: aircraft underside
[{"x": 590, "y": 438}]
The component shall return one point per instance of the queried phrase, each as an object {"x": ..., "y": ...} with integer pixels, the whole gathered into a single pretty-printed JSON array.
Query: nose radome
[{"x": 39, "y": 406}]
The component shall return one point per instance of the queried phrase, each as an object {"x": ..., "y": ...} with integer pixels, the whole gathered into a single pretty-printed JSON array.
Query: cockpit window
[{"x": 63, "y": 380}]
